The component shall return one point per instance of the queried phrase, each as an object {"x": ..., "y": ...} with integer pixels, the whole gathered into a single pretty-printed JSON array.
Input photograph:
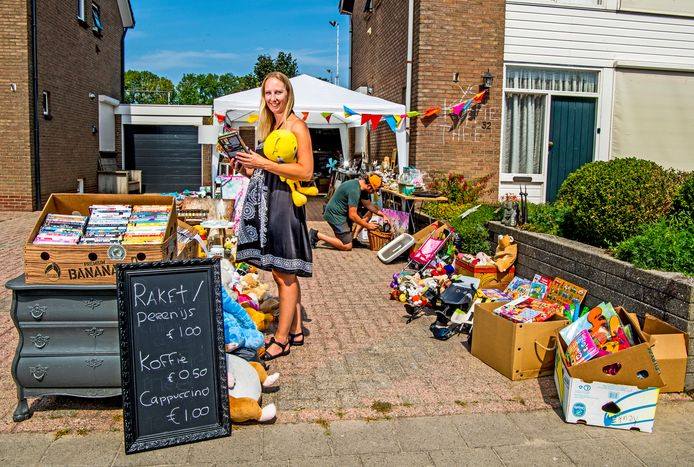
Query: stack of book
[
  {"x": 107, "y": 224},
  {"x": 147, "y": 225},
  {"x": 60, "y": 229}
]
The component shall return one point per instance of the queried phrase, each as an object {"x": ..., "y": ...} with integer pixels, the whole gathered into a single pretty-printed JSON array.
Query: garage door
[{"x": 168, "y": 155}]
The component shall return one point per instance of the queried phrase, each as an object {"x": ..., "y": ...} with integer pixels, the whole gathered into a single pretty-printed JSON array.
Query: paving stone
[
  {"x": 176, "y": 455},
  {"x": 547, "y": 425},
  {"x": 410, "y": 459},
  {"x": 360, "y": 437},
  {"x": 610, "y": 453},
  {"x": 244, "y": 444},
  {"x": 489, "y": 429},
  {"x": 23, "y": 448},
  {"x": 92, "y": 449},
  {"x": 427, "y": 434},
  {"x": 283, "y": 442},
  {"x": 533, "y": 455},
  {"x": 657, "y": 448},
  {"x": 336, "y": 461},
  {"x": 466, "y": 457}
]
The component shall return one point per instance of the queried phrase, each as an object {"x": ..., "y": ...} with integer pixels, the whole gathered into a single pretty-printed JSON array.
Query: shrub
[
  {"x": 457, "y": 189},
  {"x": 667, "y": 245},
  {"x": 546, "y": 218},
  {"x": 444, "y": 211},
  {"x": 472, "y": 230},
  {"x": 611, "y": 201},
  {"x": 684, "y": 199}
]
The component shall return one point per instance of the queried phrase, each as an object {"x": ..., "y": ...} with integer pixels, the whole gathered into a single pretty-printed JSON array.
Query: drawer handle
[
  {"x": 37, "y": 311},
  {"x": 92, "y": 303},
  {"x": 94, "y": 362},
  {"x": 40, "y": 341},
  {"x": 38, "y": 372},
  {"x": 94, "y": 332}
]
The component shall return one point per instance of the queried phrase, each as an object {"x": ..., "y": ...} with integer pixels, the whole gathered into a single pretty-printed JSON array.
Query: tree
[
  {"x": 284, "y": 63},
  {"x": 203, "y": 88},
  {"x": 145, "y": 87}
]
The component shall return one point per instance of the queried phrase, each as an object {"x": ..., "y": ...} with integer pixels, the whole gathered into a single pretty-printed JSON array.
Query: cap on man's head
[{"x": 375, "y": 181}]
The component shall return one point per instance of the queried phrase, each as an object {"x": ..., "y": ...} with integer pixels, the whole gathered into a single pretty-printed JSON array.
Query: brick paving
[{"x": 360, "y": 362}]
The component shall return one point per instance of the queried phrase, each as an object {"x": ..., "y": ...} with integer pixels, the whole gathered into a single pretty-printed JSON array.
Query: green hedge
[
  {"x": 472, "y": 231},
  {"x": 546, "y": 218}
]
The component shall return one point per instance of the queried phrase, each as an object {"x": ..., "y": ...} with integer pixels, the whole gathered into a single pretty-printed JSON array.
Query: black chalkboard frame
[{"x": 134, "y": 443}]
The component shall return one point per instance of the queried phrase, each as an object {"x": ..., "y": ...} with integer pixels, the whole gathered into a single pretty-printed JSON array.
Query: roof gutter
[{"x": 35, "y": 91}]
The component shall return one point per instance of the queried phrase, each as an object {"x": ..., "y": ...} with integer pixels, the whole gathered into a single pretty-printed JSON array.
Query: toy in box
[{"x": 490, "y": 277}]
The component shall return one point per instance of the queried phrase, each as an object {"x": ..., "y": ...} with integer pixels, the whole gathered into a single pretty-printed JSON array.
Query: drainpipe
[
  {"x": 122, "y": 64},
  {"x": 35, "y": 91},
  {"x": 408, "y": 85}
]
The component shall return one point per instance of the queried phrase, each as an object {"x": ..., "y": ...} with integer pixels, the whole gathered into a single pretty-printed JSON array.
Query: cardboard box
[
  {"x": 92, "y": 264},
  {"x": 489, "y": 276},
  {"x": 635, "y": 366},
  {"x": 670, "y": 351},
  {"x": 187, "y": 249},
  {"x": 603, "y": 404},
  {"x": 516, "y": 350}
]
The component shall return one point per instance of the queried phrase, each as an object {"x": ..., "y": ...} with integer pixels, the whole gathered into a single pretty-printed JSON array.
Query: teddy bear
[
  {"x": 247, "y": 291},
  {"x": 246, "y": 381},
  {"x": 281, "y": 146},
  {"x": 239, "y": 329},
  {"x": 506, "y": 252}
]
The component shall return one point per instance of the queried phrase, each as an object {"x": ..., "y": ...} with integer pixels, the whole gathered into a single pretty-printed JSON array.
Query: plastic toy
[{"x": 280, "y": 146}]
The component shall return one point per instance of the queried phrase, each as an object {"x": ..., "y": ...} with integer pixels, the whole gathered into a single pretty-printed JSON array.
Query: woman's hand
[{"x": 251, "y": 160}]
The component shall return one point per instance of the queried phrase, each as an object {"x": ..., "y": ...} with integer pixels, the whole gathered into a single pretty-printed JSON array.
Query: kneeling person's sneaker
[{"x": 313, "y": 237}]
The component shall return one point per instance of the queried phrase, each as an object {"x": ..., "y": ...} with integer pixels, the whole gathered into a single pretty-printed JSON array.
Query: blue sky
[{"x": 174, "y": 37}]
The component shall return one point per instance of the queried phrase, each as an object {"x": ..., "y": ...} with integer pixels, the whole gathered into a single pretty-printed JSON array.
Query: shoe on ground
[{"x": 313, "y": 237}]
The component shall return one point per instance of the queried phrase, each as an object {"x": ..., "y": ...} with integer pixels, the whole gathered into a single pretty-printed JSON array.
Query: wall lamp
[{"x": 487, "y": 79}]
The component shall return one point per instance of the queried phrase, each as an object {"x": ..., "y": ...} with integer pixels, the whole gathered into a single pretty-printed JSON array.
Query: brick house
[
  {"x": 574, "y": 81},
  {"x": 60, "y": 62}
]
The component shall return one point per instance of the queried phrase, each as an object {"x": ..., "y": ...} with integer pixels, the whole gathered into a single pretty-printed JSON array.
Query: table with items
[{"x": 396, "y": 200}]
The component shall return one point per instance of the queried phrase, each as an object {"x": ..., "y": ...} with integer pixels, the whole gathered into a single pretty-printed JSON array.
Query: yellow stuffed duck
[
  {"x": 280, "y": 146},
  {"x": 246, "y": 381}
]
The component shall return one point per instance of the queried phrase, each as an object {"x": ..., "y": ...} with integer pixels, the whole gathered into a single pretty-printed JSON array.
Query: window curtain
[
  {"x": 523, "y": 134},
  {"x": 540, "y": 79}
]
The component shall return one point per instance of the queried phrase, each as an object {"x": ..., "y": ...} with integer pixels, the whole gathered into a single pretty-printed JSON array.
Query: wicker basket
[{"x": 378, "y": 239}]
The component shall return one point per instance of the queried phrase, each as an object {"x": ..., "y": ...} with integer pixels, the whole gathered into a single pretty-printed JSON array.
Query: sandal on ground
[
  {"x": 293, "y": 339},
  {"x": 285, "y": 350}
]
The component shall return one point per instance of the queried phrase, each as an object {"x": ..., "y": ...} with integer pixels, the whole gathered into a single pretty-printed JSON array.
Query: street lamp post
[{"x": 336, "y": 25}]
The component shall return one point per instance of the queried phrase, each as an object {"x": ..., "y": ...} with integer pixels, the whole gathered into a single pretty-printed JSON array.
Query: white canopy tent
[{"x": 316, "y": 96}]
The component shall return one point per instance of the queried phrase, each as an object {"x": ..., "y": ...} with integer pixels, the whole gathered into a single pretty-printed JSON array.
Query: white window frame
[
  {"x": 98, "y": 28},
  {"x": 588, "y": 4},
  {"x": 81, "y": 13},
  {"x": 542, "y": 177}
]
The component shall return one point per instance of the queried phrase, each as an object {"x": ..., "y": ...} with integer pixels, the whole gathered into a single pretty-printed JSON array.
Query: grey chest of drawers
[{"x": 68, "y": 341}]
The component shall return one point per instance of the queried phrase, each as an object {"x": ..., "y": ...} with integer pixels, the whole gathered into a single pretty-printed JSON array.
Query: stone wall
[{"x": 668, "y": 296}]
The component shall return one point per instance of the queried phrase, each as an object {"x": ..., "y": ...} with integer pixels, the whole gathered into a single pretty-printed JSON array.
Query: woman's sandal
[
  {"x": 293, "y": 337},
  {"x": 285, "y": 350}
]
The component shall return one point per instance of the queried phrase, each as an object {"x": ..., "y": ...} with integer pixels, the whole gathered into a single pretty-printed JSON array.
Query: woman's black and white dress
[{"x": 272, "y": 232}]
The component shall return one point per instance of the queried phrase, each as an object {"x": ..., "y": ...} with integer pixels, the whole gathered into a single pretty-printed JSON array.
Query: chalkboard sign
[{"x": 173, "y": 366}]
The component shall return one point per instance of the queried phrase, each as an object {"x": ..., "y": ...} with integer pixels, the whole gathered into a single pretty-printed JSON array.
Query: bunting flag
[
  {"x": 479, "y": 97},
  {"x": 390, "y": 120},
  {"x": 374, "y": 119},
  {"x": 252, "y": 118},
  {"x": 220, "y": 117},
  {"x": 458, "y": 109},
  {"x": 398, "y": 119},
  {"x": 304, "y": 115},
  {"x": 327, "y": 115},
  {"x": 412, "y": 114},
  {"x": 348, "y": 112},
  {"x": 431, "y": 112}
]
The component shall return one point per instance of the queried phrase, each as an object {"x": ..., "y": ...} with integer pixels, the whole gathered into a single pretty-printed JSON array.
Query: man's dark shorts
[{"x": 343, "y": 232}]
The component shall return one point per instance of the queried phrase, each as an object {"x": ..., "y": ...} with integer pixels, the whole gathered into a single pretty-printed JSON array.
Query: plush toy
[
  {"x": 239, "y": 329},
  {"x": 246, "y": 381},
  {"x": 203, "y": 236},
  {"x": 506, "y": 252},
  {"x": 281, "y": 146}
]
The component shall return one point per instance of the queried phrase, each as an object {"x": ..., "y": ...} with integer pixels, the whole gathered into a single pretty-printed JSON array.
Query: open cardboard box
[
  {"x": 615, "y": 391},
  {"x": 670, "y": 351},
  {"x": 516, "y": 350}
]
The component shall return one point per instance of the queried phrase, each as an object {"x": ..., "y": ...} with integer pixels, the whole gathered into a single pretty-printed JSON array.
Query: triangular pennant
[
  {"x": 304, "y": 116},
  {"x": 398, "y": 119},
  {"x": 375, "y": 120},
  {"x": 326, "y": 116},
  {"x": 365, "y": 118},
  {"x": 220, "y": 117},
  {"x": 458, "y": 108},
  {"x": 390, "y": 120},
  {"x": 431, "y": 111},
  {"x": 412, "y": 114},
  {"x": 348, "y": 112},
  {"x": 252, "y": 118},
  {"x": 479, "y": 97},
  {"x": 468, "y": 104}
]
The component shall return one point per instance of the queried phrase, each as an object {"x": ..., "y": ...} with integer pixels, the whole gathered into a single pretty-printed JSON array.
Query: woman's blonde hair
[{"x": 266, "y": 119}]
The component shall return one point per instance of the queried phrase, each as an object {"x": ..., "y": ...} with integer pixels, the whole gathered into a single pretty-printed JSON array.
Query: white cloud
[{"x": 165, "y": 60}]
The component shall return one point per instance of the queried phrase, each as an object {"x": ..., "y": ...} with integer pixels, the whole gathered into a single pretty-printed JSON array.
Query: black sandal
[
  {"x": 294, "y": 342},
  {"x": 285, "y": 350}
]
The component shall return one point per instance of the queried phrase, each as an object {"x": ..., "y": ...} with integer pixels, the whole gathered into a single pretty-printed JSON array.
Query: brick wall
[
  {"x": 667, "y": 296},
  {"x": 73, "y": 62},
  {"x": 449, "y": 36},
  {"x": 378, "y": 60},
  {"x": 15, "y": 117}
]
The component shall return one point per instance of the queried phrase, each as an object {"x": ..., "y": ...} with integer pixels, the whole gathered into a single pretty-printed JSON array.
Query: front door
[{"x": 571, "y": 139}]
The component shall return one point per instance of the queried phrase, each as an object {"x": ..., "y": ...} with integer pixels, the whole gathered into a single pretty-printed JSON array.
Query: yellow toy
[
  {"x": 246, "y": 381},
  {"x": 506, "y": 252},
  {"x": 280, "y": 146},
  {"x": 203, "y": 236}
]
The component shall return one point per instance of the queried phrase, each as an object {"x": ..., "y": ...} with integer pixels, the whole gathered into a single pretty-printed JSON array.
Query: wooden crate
[{"x": 91, "y": 264}]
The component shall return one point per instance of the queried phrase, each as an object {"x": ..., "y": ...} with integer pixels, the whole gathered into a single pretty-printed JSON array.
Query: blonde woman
[{"x": 272, "y": 233}]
